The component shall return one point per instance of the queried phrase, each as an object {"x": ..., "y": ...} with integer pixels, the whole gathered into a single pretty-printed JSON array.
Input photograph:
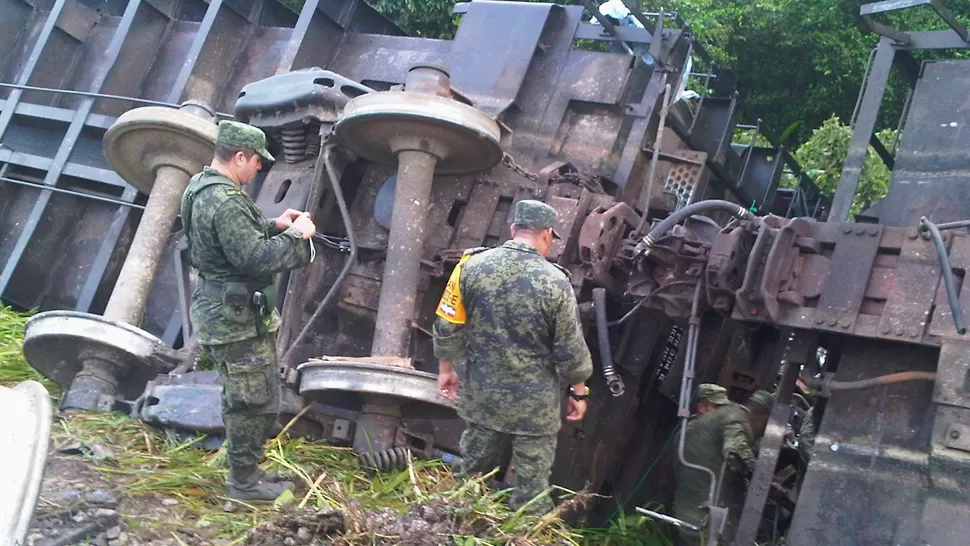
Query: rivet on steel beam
[
  {"x": 886, "y": 329},
  {"x": 819, "y": 320},
  {"x": 912, "y": 235},
  {"x": 847, "y": 229},
  {"x": 833, "y": 321},
  {"x": 914, "y": 332},
  {"x": 898, "y": 331},
  {"x": 845, "y": 323},
  {"x": 872, "y": 231},
  {"x": 954, "y": 434},
  {"x": 860, "y": 230}
]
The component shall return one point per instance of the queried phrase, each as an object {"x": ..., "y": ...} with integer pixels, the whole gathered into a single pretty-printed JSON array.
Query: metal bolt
[
  {"x": 847, "y": 229},
  {"x": 898, "y": 330},
  {"x": 833, "y": 321},
  {"x": 845, "y": 323},
  {"x": 912, "y": 235},
  {"x": 872, "y": 231},
  {"x": 914, "y": 332},
  {"x": 819, "y": 320},
  {"x": 860, "y": 230},
  {"x": 954, "y": 434}
]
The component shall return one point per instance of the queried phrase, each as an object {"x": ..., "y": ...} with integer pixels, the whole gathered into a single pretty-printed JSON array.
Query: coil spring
[
  {"x": 294, "y": 144},
  {"x": 313, "y": 140},
  {"x": 384, "y": 461}
]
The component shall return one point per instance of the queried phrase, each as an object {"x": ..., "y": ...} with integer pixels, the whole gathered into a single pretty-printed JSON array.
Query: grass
[
  {"x": 148, "y": 464},
  {"x": 13, "y": 368}
]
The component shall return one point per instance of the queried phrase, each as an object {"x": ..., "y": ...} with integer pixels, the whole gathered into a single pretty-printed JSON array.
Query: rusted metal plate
[
  {"x": 569, "y": 212},
  {"x": 492, "y": 76},
  {"x": 952, "y": 371},
  {"x": 851, "y": 262},
  {"x": 907, "y": 309},
  {"x": 477, "y": 215}
]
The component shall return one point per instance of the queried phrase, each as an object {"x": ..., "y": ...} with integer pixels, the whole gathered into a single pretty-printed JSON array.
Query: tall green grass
[
  {"x": 147, "y": 463},
  {"x": 13, "y": 367}
]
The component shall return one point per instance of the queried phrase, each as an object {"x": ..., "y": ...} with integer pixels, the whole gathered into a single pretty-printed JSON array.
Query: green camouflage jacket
[
  {"x": 231, "y": 241},
  {"x": 521, "y": 337},
  {"x": 711, "y": 438}
]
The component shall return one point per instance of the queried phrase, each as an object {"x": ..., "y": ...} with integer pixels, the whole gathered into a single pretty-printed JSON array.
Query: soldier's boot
[
  {"x": 249, "y": 485},
  {"x": 269, "y": 476}
]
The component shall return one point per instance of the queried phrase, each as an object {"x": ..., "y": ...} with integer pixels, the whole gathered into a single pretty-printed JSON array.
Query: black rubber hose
[
  {"x": 890, "y": 379},
  {"x": 951, "y": 291},
  {"x": 953, "y": 225},
  {"x": 679, "y": 216},
  {"x": 827, "y": 384},
  {"x": 351, "y": 260},
  {"x": 613, "y": 381}
]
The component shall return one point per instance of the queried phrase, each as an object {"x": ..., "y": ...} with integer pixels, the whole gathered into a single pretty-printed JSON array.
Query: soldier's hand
[
  {"x": 575, "y": 410},
  {"x": 286, "y": 219},
  {"x": 448, "y": 385},
  {"x": 304, "y": 224}
]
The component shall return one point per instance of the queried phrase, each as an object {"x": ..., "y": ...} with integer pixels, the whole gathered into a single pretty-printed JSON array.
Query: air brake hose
[
  {"x": 951, "y": 291},
  {"x": 827, "y": 384},
  {"x": 613, "y": 381},
  {"x": 679, "y": 216}
]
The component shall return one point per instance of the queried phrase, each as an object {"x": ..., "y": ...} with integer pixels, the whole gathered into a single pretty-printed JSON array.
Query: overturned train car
[{"x": 409, "y": 151}]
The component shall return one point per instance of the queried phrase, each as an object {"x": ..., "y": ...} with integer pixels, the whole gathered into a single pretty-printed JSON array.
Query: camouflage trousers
[
  {"x": 250, "y": 397},
  {"x": 480, "y": 451}
]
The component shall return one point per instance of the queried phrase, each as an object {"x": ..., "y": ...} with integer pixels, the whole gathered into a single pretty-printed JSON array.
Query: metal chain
[{"x": 510, "y": 163}]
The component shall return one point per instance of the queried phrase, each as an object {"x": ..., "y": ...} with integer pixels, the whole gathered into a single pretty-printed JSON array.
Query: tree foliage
[
  {"x": 823, "y": 155},
  {"x": 795, "y": 60},
  {"x": 427, "y": 18}
]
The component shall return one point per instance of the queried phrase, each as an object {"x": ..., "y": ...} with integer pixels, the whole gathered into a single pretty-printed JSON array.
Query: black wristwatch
[{"x": 580, "y": 397}]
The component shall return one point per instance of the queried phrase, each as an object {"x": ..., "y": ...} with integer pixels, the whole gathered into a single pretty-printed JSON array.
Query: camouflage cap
[
  {"x": 715, "y": 394},
  {"x": 241, "y": 135},
  {"x": 760, "y": 402},
  {"x": 536, "y": 214}
]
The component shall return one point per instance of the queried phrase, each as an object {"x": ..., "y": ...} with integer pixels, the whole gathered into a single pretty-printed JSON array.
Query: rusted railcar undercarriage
[{"x": 409, "y": 150}]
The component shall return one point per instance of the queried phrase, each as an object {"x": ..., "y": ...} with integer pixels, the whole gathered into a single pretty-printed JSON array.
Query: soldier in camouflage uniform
[
  {"x": 806, "y": 436},
  {"x": 721, "y": 438},
  {"x": 509, "y": 322},
  {"x": 237, "y": 252},
  {"x": 709, "y": 397}
]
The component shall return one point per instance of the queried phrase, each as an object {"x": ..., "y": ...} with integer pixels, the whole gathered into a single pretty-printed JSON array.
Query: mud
[
  {"x": 80, "y": 504},
  {"x": 431, "y": 523}
]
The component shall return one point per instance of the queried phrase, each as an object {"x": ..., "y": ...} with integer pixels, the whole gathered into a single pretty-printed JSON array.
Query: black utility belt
[{"x": 237, "y": 296}]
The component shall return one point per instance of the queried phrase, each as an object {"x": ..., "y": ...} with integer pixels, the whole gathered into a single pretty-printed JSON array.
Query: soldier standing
[
  {"x": 237, "y": 252},
  {"x": 720, "y": 439},
  {"x": 509, "y": 322}
]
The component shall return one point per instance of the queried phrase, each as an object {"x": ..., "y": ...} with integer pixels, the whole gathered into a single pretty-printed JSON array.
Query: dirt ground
[{"x": 80, "y": 504}]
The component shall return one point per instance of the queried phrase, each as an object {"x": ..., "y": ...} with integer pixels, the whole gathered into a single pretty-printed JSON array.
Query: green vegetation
[
  {"x": 823, "y": 155},
  {"x": 147, "y": 463},
  {"x": 13, "y": 368},
  {"x": 144, "y": 464}
]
